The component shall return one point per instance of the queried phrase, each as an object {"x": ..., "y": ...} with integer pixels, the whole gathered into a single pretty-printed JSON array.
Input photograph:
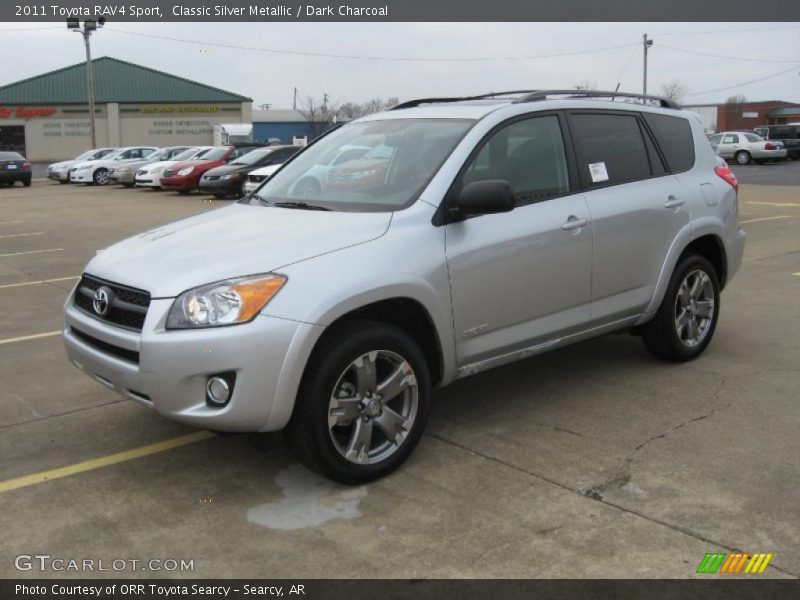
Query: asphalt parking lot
[{"x": 595, "y": 460}]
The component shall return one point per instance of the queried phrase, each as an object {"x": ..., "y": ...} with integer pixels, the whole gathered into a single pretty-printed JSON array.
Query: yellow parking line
[
  {"x": 796, "y": 274},
  {"x": 15, "y": 235},
  {"x": 25, "y": 338},
  {"x": 776, "y": 203},
  {"x": 764, "y": 219},
  {"x": 11, "y": 285},
  {"x": 31, "y": 252},
  {"x": 104, "y": 461}
]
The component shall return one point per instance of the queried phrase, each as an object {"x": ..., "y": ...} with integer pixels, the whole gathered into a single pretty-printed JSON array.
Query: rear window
[
  {"x": 610, "y": 148},
  {"x": 10, "y": 156},
  {"x": 674, "y": 135}
]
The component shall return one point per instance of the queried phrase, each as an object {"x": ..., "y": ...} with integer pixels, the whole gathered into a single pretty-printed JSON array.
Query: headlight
[
  {"x": 185, "y": 171},
  {"x": 82, "y": 167},
  {"x": 230, "y": 176},
  {"x": 224, "y": 303}
]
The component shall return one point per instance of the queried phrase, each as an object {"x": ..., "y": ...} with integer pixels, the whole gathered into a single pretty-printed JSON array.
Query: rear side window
[
  {"x": 674, "y": 135},
  {"x": 610, "y": 149}
]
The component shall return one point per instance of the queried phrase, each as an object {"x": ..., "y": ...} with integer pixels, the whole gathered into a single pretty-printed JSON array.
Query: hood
[
  {"x": 160, "y": 164},
  {"x": 225, "y": 169},
  {"x": 268, "y": 170},
  {"x": 230, "y": 242}
]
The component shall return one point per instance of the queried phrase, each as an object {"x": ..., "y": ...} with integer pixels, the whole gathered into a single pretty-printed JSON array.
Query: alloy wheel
[{"x": 694, "y": 308}]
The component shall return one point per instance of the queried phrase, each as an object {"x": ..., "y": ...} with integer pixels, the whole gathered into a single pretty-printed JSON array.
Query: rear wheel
[
  {"x": 363, "y": 403},
  {"x": 185, "y": 192},
  {"x": 100, "y": 177},
  {"x": 686, "y": 320},
  {"x": 743, "y": 157},
  {"x": 26, "y": 183}
]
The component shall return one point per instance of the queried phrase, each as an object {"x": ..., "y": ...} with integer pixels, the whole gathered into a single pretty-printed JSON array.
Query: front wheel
[
  {"x": 687, "y": 317},
  {"x": 743, "y": 157},
  {"x": 100, "y": 177},
  {"x": 363, "y": 403}
]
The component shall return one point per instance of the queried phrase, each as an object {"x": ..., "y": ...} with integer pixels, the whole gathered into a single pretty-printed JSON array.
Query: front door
[{"x": 520, "y": 278}]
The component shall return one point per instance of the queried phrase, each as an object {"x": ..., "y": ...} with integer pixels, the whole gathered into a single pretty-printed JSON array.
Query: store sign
[
  {"x": 26, "y": 112},
  {"x": 191, "y": 108}
]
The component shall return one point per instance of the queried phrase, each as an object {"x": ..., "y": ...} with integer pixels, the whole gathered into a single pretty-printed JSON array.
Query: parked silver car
[
  {"x": 60, "y": 170},
  {"x": 485, "y": 230},
  {"x": 125, "y": 173},
  {"x": 745, "y": 146}
]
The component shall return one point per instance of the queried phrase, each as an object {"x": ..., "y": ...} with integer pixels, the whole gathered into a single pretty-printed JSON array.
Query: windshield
[
  {"x": 366, "y": 166},
  {"x": 186, "y": 154},
  {"x": 213, "y": 154},
  {"x": 158, "y": 154},
  {"x": 253, "y": 157},
  {"x": 87, "y": 154}
]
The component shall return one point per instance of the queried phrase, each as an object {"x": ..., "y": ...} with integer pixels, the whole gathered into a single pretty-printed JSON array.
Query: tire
[
  {"x": 62, "y": 181},
  {"x": 185, "y": 192},
  {"x": 330, "y": 445},
  {"x": 127, "y": 185},
  {"x": 663, "y": 336},
  {"x": 100, "y": 177},
  {"x": 760, "y": 161},
  {"x": 219, "y": 196},
  {"x": 743, "y": 157},
  {"x": 794, "y": 155},
  {"x": 26, "y": 183}
]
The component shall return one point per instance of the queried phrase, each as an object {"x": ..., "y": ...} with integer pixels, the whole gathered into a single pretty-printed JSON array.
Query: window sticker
[{"x": 598, "y": 172}]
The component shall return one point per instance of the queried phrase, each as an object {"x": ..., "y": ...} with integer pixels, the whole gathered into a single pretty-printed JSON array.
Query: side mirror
[{"x": 483, "y": 198}]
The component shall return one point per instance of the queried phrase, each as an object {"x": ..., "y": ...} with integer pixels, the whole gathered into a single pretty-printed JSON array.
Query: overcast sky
[{"x": 270, "y": 77}]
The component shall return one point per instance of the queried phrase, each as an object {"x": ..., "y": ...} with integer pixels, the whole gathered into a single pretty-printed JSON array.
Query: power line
[
  {"x": 738, "y": 85},
  {"x": 359, "y": 57},
  {"x": 742, "y": 30},
  {"x": 747, "y": 59}
]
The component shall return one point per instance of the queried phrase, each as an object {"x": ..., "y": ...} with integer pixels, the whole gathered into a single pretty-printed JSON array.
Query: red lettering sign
[{"x": 27, "y": 112}]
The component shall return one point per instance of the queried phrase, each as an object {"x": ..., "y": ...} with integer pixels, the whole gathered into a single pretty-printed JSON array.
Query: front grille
[
  {"x": 169, "y": 173},
  {"x": 256, "y": 178},
  {"x": 123, "y": 353},
  {"x": 128, "y": 306}
]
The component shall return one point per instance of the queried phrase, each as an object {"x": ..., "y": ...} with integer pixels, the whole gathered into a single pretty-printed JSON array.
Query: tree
[
  {"x": 733, "y": 111},
  {"x": 586, "y": 85},
  {"x": 674, "y": 91},
  {"x": 319, "y": 115},
  {"x": 354, "y": 110}
]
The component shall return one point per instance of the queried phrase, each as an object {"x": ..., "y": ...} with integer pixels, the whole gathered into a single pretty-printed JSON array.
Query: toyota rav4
[{"x": 480, "y": 231}]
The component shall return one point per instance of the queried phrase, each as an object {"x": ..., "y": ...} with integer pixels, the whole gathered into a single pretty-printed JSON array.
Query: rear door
[
  {"x": 728, "y": 145},
  {"x": 636, "y": 207}
]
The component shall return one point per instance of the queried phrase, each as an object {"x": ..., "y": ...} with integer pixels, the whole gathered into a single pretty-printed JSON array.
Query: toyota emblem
[{"x": 102, "y": 301}]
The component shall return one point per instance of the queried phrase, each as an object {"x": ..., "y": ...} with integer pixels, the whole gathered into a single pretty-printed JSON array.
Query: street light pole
[
  {"x": 89, "y": 27},
  {"x": 646, "y": 43}
]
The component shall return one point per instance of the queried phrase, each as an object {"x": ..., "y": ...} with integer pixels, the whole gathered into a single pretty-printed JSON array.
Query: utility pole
[
  {"x": 646, "y": 43},
  {"x": 89, "y": 27},
  {"x": 294, "y": 100}
]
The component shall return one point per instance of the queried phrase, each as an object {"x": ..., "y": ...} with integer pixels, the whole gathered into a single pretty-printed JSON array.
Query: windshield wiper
[{"x": 300, "y": 205}]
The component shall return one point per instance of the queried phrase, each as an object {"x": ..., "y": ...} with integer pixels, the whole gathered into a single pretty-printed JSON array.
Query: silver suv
[{"x": 474, "y": 232}]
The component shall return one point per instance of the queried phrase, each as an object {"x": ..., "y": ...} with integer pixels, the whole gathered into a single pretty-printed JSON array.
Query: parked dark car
[
  {"x": 184, "y": 177},
  {"x": 788, "y": 134},
  {"x": 228, "y": 179},
  {"x": 13, "y": 168}
]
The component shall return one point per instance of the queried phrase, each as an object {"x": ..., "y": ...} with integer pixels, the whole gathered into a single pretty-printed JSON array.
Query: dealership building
[{"x": 46, "y": 117}]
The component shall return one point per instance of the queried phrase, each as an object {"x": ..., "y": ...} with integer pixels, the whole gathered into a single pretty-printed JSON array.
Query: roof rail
[
  {"x": 544, "y": 94},
  {"x": 420, "y": 101}
]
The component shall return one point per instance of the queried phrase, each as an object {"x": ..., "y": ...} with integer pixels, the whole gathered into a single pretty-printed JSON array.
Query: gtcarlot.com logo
[{"x": 735, "y": 562}]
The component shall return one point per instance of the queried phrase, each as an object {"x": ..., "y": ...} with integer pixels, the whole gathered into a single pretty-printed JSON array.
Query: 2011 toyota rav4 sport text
[{"x": 445, "y": 238}]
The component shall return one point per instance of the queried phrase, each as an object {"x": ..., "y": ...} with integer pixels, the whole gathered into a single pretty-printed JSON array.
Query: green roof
[
  {"x": 114, "y": 81},
  {"x": 786, "y": 110}
]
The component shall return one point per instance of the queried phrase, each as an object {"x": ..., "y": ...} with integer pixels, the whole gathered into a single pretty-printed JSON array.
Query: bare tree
[
  {"x": 354, "y": 110},
  {"x": 733, "y": 111},
  {"x": 586, "y": 85},
  {"x": 674, "y": 91},
  {"x": 319, "y": 115}
]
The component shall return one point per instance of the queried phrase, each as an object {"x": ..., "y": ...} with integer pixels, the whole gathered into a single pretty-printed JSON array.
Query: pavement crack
[{"x": 618, "y": 477}]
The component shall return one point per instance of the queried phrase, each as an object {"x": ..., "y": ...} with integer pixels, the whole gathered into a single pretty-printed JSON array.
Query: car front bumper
[
  {"x": 148, "y": 180},
  {"x": 221, "y": 186},
  {"x": 117, "y": 177},
  {"x": 185, "y": 183},
  {"x": 81, "y": 176},
  {"x": 57, "y": 175},
  {"x": 267, "y": 355}
]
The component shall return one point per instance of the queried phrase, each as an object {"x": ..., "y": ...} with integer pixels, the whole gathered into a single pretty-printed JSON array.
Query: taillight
[
  {"x": 769, "y": 146},
  {"x": 726, "y": 174},
  {"x": 26, "y": 165}
]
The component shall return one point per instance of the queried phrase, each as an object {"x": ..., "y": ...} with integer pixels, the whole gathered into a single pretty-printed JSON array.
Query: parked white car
[
  {"x": 745, "y": 147},
  {"x": 259, "y": 176},
  {"x": 96, "y": 171},
  {"x": 150, "y": 175},
  {"x": 60, "y": 170}
]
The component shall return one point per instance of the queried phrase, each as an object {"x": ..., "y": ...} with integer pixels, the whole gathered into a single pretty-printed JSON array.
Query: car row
[{"x": 223, "y": 171}]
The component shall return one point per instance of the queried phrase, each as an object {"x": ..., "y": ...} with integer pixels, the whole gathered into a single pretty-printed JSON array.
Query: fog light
[{"x": 218, "y": 390}]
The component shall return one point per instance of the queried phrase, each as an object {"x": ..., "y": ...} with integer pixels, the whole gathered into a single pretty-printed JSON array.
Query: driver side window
[{"x": 529, "y": 155}]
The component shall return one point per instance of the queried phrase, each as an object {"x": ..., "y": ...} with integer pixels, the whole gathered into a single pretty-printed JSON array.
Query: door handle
[
  {"x": 674, "y": 202},
  {"x": 574, "y": 222}
]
